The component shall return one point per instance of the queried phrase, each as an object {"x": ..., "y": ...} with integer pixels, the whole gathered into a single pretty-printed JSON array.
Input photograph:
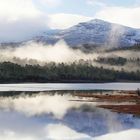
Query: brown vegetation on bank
[
  {"x": 121, "y": 102},
  {"x": 129, "y": 109}
]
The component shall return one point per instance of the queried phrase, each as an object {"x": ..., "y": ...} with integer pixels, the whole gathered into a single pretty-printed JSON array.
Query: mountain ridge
[{"x": 95, "y": 32}]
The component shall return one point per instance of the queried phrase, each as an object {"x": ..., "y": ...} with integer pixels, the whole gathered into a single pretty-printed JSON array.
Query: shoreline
[{"x": 127, "y": 102}]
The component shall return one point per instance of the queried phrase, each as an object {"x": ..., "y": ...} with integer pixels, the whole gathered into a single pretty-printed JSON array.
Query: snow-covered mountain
[{"x": 97, "y": 32}]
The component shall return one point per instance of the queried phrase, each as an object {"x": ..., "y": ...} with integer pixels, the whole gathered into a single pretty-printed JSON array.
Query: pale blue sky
[
  {"x": 82, "y": 7},
  {"x": 21, "y": 19}
]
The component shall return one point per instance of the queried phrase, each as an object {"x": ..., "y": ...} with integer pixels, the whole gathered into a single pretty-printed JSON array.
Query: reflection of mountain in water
[
  {"x": 87, "y": 119},
  {"x": 96, "y": 123}
]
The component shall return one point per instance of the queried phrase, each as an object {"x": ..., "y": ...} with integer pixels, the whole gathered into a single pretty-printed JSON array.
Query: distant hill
[
  {"x": 88, "y": 35},
  {"x": 95, "y": 32}
]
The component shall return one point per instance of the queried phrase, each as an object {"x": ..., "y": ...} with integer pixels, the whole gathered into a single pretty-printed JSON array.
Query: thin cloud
[
  {"x": 101, "y": 3},
  {"x": 126, "y": 16},
  {"x": 20, "y": 20},
  {"x": 52, "y": 3},
  {"x": 55, "y": 20}
]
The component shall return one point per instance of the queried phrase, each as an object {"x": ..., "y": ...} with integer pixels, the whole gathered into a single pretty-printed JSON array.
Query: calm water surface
[
  {"x": 55, "y": 117},
  {"x": 61, "y": 86}
]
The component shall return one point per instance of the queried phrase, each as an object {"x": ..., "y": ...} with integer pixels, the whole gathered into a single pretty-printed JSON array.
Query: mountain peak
[
  {"x": 93, "y": 24},
  {"x": 97, "y": 21},
  {"x": 95, "y": 31}
]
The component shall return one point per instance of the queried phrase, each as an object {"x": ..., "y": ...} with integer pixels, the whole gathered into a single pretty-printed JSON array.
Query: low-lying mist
[
  {"x": 37, "y": 53},
  {"x": 60, "y": 52}
]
